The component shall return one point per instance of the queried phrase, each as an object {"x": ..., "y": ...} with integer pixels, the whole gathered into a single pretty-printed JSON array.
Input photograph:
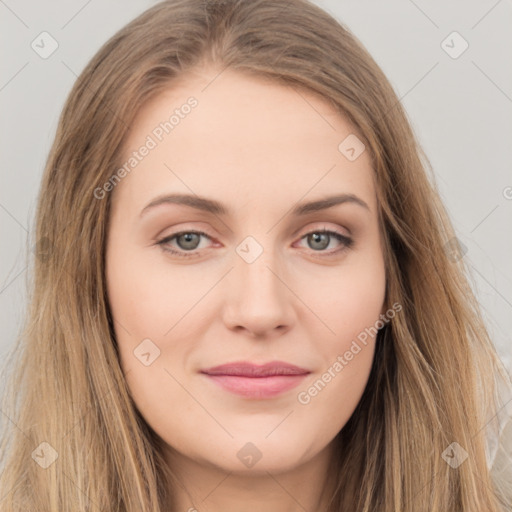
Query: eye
[
  {"x": 188, "y": 242},
  {"x": 320, "y": 239}
]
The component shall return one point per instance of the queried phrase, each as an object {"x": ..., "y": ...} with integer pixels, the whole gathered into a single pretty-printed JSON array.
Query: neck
[{"x": 207, "y": 488}]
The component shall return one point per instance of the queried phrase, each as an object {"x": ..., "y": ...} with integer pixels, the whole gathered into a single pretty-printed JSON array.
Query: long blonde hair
[{"x": 433, "y": 380}]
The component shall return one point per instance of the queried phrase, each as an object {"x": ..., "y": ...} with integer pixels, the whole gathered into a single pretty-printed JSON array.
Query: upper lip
[{"x": 246, "y": 369}]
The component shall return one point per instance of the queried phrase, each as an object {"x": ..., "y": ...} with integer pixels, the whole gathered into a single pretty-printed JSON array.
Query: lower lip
[{"x": 257, "y": 387}]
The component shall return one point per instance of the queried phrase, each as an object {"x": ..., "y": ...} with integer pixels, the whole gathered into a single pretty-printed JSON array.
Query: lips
[
  {"x": 245, "y": 369},
  {"x": 256, "y": 381}
]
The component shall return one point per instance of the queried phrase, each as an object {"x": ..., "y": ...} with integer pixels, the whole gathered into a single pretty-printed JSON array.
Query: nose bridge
[
  {"x": 256, "y": 267},
  {"x": 258, "y": 298}
]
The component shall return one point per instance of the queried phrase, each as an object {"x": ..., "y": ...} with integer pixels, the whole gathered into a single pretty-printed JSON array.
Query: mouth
[{"x": 256, "y": 381}]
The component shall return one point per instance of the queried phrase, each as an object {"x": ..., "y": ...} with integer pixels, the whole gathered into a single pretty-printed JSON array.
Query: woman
[{"x": 252, "y": 368}]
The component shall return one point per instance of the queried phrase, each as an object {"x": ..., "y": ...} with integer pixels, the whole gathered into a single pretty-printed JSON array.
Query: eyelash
[{"x": 345, "y": 240}]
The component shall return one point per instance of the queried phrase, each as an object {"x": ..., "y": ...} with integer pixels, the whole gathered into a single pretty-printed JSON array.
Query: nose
[{"x": 258, "y": 298}]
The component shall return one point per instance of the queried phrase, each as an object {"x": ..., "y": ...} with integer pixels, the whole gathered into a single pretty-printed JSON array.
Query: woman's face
[{"x": 260, "y": 284}]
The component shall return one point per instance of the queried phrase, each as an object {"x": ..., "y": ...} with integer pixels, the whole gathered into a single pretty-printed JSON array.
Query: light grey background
[{"x": 460, "y": 109}]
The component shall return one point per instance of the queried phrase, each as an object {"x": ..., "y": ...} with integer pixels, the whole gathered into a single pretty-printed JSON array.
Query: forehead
[{"x": 245, "y": 136}]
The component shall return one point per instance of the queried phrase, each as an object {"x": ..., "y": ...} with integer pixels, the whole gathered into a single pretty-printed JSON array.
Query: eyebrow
[{"x": 217, "y": 208}]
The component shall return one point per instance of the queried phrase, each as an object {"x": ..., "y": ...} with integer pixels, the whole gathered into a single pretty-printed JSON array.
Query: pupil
[
  {"x": 317, "y": 237},
  {"x": 188, "y": 238}
]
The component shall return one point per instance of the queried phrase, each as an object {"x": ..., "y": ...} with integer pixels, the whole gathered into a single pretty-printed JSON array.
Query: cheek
[
  {"x": 328, "y": 400},
  {"x": 335, "y": 390},
  {"x": 137, "y": 304},
  {"x": 146, "y": 305},
  {"x": 351, "y": 303},
  {"x": 149, "y": 298},
  {"x": 158, "y": 312},
  {"x": 347, "y": 299}
]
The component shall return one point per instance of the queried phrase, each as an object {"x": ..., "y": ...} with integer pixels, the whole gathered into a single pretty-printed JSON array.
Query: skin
[{"x": 259, "y": 148}]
